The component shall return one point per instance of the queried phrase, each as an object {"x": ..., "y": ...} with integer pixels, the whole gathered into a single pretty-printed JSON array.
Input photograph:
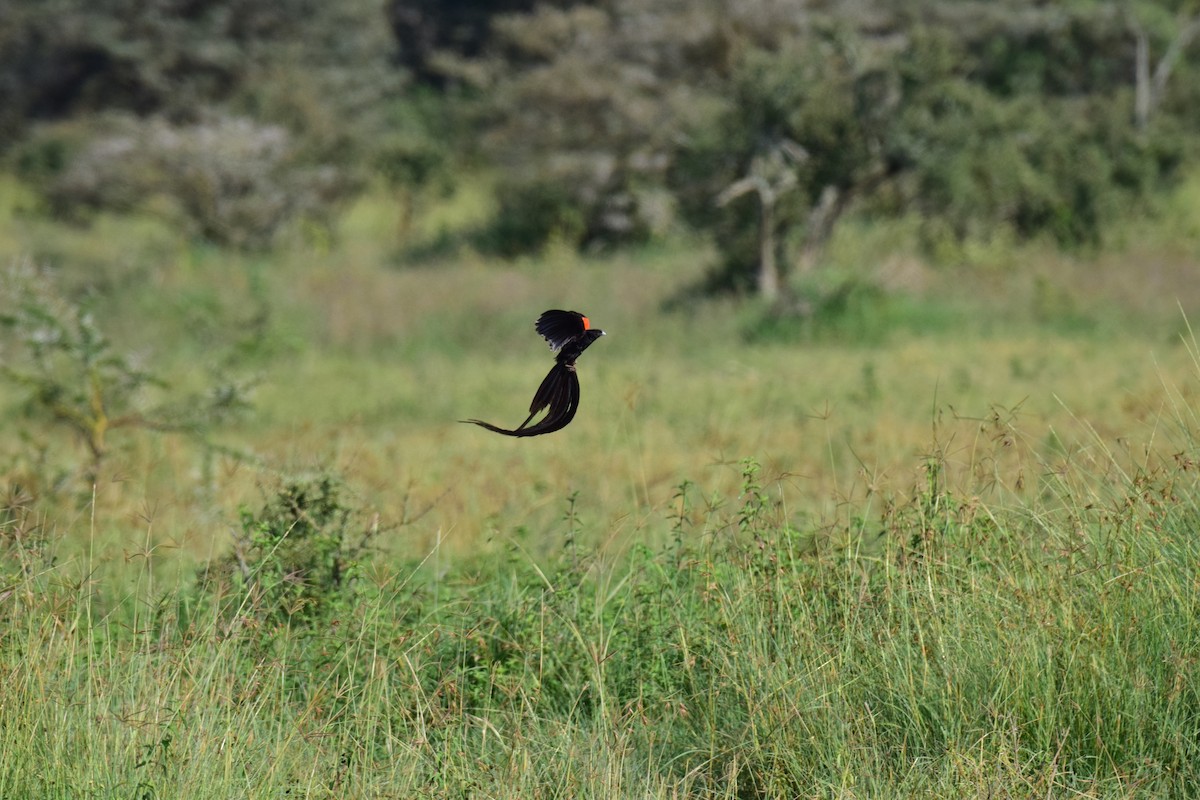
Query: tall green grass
[{"x": 960, "y": 649}]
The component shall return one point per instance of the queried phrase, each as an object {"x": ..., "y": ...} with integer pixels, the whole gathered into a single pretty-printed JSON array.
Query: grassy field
[{"x": 941, "y": 543}]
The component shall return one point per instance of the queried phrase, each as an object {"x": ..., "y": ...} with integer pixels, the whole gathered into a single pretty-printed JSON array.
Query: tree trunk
[
  {"x": 768, "y": 266},
  {"x": 821, "y": 220},
  {"x": 1142, "y": 102},
  {"x": 1148, "y": 90}
]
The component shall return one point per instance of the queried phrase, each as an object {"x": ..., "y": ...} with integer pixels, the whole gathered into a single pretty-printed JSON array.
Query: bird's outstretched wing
[
  {"x": 559, "y": 393},
  {"x": 558, "y": 327}
]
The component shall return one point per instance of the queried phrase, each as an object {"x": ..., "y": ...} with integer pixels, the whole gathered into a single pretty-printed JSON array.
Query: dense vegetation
[
  {"x": 920, "y": 524},
  {"x": 760, "y": 123}
]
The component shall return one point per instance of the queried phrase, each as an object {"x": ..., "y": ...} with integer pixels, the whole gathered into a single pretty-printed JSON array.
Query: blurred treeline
[{"x": 761, "y": 123}]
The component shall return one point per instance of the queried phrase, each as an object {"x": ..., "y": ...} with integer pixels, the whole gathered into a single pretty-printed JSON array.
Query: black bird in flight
[{"x": 569, "y": 333}]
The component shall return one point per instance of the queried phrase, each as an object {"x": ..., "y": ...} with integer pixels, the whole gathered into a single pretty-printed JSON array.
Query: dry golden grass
[{"x": 371, "y": 366}]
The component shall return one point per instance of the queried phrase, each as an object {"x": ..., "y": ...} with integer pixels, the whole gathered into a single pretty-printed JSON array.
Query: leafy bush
[
  {"x": 1040, "y": 166},
  {"x": 74, "y": 377},
  {"x": 530, "y": 215},
  {"x": 296, "y": 558},
  {"x": 229, "y": 179},
  {"x": 975, "y": 118},
  {"x": 293, "y": 62}
]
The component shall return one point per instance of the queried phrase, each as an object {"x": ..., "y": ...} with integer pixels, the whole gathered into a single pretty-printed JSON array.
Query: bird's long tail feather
[{"x": 559, "y": 393}]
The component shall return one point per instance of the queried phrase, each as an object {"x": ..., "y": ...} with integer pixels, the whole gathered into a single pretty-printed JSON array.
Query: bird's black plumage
[{"x": 569, "y": 333}]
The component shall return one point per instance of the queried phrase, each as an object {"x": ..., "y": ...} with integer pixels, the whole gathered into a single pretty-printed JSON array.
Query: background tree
[
  {"x": 976, "y": 116},
  {"x": 610, "y": 122},
  {"x": 440, "y": 43},
  {"x": 583, "y": 112},
  {"x": 296, "y": 86},
  {"x": 1176, "y": 30},
  {"x": 826, "y": 95}
]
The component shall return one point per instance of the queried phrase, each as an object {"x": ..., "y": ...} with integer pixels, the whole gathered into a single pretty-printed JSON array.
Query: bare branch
[{"x": 750, "y": 183}]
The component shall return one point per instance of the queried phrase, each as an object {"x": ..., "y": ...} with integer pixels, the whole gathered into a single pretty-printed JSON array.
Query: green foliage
[
  {"x": 240, "y": 119},
  {"x": 586, "y": 99},
  {"x": 439, "y": 39},
  {"x": 73, "y": 376},
  {"x": 852, "y": 311},
  {"x": 297, "y": 559},
  {"x": 1043, "y": 167},
  {"x": 158, "y": 57},
  {"x": 416, "y": 150},
  {"x": 609, "y": 123},
  {"x": 977, "y": 118},
  {"x": 230, "y": 180},
  {"x": 531, "y": 216}
]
